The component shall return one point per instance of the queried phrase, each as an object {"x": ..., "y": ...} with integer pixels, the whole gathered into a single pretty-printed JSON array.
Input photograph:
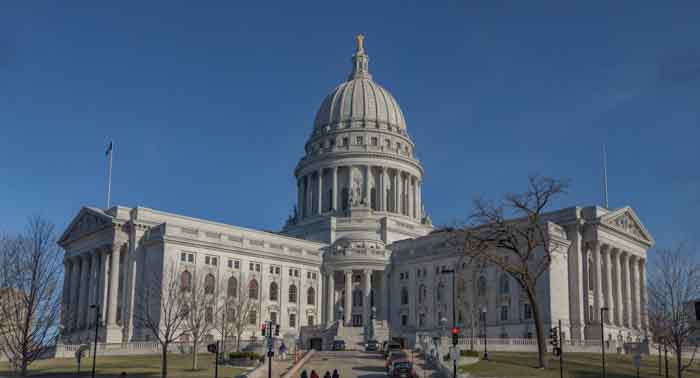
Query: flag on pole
[
  {"x": 109, "y": 149},
  {"x": 109, "y": 174}
]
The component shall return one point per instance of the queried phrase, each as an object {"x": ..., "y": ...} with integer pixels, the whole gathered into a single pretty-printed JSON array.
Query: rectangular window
[
  {"x": 308, "y": 275},
  {"x": 253, "y": 318},
  {"x": 313, "y": 276},
  {"x": 214, "y": 261},
  {"x": 190, "y": 257},
  {"x": 359, "y": 140},
  {"x": 345, "y": 141},
  {"x": 277, "y": 270},
  {"x": 310, "y": 320},
  {"x": 388, "y": 143},
  {"x": 296, "y": 273},
  {"x": 236, "y": 264},
  {"x": 230, "y": 263},
  {"x": 504, "y": 313},
  {"x": 272, "y": 270},
  {"x": 252, "y": 267},
  {"x": 375, "y": 141},
  {"x": 183, "y": 256},
  {"x": 273, "y": 317},
  {"x": 527, "y": 311},
  {"x": 404, "y": 320},
  {"x": 206, "y": 260},
  {"x": 293, "y": 320},
  {"x": 257, "y": 267},
  {"x": 291, "y": 272}
]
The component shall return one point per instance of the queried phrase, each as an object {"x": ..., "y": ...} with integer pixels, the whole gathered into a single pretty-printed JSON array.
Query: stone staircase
[{"x": 354, "y": 337}]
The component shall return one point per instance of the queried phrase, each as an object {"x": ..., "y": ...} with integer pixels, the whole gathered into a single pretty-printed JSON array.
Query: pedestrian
[
  {"x": 283, "y": 351},
  {"x": 327, "y": 375},
  {"x": 304, "y": 374},
  {"x": 335, "y": 373},
  {"x": 314, "y": 374}
]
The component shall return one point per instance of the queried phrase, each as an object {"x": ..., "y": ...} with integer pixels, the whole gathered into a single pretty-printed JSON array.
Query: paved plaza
[{"x": 356, "y": 364}]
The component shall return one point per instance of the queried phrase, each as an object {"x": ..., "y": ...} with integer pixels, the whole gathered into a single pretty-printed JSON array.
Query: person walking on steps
[
  {"x": 304, "y": 374},
  {"x": 314, "y": 374},
  {"x": 283, "y": 351},
  {"x": 327, "y": 375},
  {"x": 335, "y": 374}
]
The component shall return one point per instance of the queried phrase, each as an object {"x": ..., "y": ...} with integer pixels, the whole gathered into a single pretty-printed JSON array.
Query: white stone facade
[{"x": 359, "y": 243}]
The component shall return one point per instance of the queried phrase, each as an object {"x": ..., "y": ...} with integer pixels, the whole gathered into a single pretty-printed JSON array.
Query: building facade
[{"x": 359, "y": 249}]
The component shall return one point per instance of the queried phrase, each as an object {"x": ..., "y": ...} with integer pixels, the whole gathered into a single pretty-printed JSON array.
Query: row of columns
[
  {"x": 381, "y": 301},
  {"x": 619, "y": 283},
  {"x": 91, "y": 278},
  {"x": 403, "y": 196}
]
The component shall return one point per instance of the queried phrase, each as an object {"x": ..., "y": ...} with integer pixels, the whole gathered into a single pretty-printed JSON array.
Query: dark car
[
  {"x": 338, "y": 345},
  {"x": 402, "y": 369},
  {"x": 391, "y": 347},
  {"x": 372, "y": 346},
  {"x": 394, "y": 356}
]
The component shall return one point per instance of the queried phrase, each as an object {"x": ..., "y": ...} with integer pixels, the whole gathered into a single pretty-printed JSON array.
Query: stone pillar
[
  {"x": 397, "y": 192},
  {"x": 104, "y": 283},
  {"x": 74, "y": 294},
  {"x": 625, "y": 282},
  {"x": 320, "y": 192},
  {"x": 124, "y": 285},
  {"x": 643, "y": 295},
  {"x": 113, "y": 330},
  {"x": 410, "y": 196},
  {"x": 419, "y": 203},
  {"x": 379, "y": 296},
  {"x": 348, "y": 297},
  {"x": 615, "y": 262},
  {"x": 607, "y": 277},
  {"x": 308, "y": 195},
  {"x": 334, "y": 197},
  {"x": 94, "y": 269},
  {"x": 365, "y": 186},
  {"x": 65, "y": 299},
  {"x": 83, "y": 294},
  {"x": 367, "y": 292},
  {"x": 634, "y": 290},
  {"x": 595, "y": 251},
  {"x": 381, "y": 195}
]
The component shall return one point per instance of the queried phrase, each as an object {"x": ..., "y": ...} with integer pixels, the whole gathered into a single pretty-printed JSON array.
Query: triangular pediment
[
  {"x": 87, "y": 221},
  {"x": 626, "y": 221}
]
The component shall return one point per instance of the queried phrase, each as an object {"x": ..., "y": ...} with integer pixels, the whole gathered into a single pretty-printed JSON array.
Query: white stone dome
[{"x": 360, "y": 100}]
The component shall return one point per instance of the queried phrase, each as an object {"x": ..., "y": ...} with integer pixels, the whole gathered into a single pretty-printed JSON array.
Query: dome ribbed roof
[{"x": 359, "y": 99}]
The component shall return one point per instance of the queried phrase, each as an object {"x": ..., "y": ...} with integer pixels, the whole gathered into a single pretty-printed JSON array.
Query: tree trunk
[
  {"x": 23, "y": 367},
  {"x": 164, "y": 362},
  {"x": 238, "y": 342},
  {"x": 539, "y": 328},
  {"x": 195, "y": 343},
  {"x": 679, "y": 360}
]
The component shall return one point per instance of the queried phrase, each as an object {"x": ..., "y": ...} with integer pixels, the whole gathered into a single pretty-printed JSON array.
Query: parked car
[
  {"x": 394, "y": 356},
  {"x": 392, "y": 346},
  {"x": 402, "y": 368},
  {"x": 338, "y": 345},
  {"x": 372, "y": 346}
]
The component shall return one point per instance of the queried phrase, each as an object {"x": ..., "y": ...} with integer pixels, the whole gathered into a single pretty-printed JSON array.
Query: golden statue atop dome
[{"x": 360, "y": 39}]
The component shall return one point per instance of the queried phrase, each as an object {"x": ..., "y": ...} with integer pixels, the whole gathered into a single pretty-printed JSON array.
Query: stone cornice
[{"x": 315, "y": 162}]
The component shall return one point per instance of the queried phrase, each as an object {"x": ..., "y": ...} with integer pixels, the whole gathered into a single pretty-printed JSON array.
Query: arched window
[
  {"x": 209, "y": 283},
  {"x": 232, "y": 288},
  {"x": 293, "y": 293},
  {"x": 273, "y": 291},
  {"x": 253, "y": 289},
  {"x": 481, "y": 286},
  {"x": 311, "y": 296},
  {"x": 422, "y": 293},
  {"x": 505, "y": 284},
  {"x": 440, "y": 292},
  {"x": 404, "y": 296},
  {"x": 186, "y": 281}
]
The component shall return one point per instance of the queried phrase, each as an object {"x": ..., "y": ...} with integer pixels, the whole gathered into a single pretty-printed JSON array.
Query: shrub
[
  {"x": 469, "y": 353},
  {"x": 248, "y": 355}
]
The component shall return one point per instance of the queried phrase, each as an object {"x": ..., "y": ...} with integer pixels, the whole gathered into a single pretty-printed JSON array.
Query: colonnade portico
[
  {"x": 619, "y": 284},
  {"x": 334, "y": 293},
  {"x": 93, "y": 277},
  {"x": 383, "y": 189}
]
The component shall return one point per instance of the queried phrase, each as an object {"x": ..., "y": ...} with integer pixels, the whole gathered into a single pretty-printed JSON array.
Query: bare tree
[
  {"x": 164, "y": 309},
  {"x": 513, "y": 235},
  {"x": 236, "y": 309},
  {"x": 673, "y": 285},
  {"x": 30, "y": 294},
  {"x": 202, "y": 311}
]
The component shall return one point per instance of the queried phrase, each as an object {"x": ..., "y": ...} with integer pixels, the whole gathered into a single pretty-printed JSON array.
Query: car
[
  {"x": 383, "y": 347},
  {"x": 402, "y": 368},
  {"x": 372, "y": 346},
  {"x": 338, "y": 345},
  {"x": 391, "y": 347},
  {"x": 393, "y": 356}
]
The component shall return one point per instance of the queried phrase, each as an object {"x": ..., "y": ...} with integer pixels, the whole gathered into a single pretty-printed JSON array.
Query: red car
[{"x": 393, "y": 356}]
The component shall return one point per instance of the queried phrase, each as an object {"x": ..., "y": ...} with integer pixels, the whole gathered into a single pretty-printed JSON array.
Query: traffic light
[
  {"x": 554, "y": 336},
  {"x": 455, "y": 335},
  {"x": 277, "y": 329},
  {"x": 263, "y": 329}
]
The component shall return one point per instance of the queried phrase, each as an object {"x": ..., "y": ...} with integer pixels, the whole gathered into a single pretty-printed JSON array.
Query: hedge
[{"x": 250, "y": 355}]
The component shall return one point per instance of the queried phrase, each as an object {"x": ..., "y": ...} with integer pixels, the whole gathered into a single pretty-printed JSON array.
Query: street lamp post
[
  {"x": 97, "y": 325},
  {"x": 602, "y": 337},
  {"x": 454, "y": 317},
  {"x": 483, "y": 319}
]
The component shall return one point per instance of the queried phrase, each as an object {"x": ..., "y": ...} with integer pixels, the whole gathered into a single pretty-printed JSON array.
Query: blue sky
[{"x": 209, "y": 104}]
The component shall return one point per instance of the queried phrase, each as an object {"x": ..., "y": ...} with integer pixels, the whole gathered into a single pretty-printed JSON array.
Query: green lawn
[
  {"x": 576, "y": 365},
  {"x": 135, "y": 366}
]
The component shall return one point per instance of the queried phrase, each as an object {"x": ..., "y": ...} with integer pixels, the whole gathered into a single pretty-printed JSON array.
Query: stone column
[
  {"x": 419, "y": 200},
  {"x": 334, "y": 199},
  {"x": 74, "y": 294},
  {"x": 83, "y": 295},
  {"x": 124, "y": 285},
  {"x": 348, "y": 297},
  {"x": 381, "y": 193},
  {"x": 367, "y": 292},
  {"x": 104, "y": 283},
  {"x": 634, "y": 290},
  {"x": 625, "y": 282},
  {"x": 115, "y": 257},
  {"x": 365, "y": 186},
  {"x": 308, "y": 195},
  {"x": 320, "y": 192},
  {"x": 65, "y": 299},
  {"x": 615, "y": 262},
  {"x": 410, "y": 196},
  {"x": 643, "y": 294},
  {"x": 595, "y": 250},
  {"x": 379, "y": 296},
  {"x": 399, "y": 192},
  {"x": 94, "y": 269},
  {"x": 607, "y": 276}
]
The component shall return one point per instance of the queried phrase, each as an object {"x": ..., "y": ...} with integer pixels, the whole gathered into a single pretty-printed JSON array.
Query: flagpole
[
  {"x": 605, "y": 176},
  {"x": 109, "y": 177}
]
